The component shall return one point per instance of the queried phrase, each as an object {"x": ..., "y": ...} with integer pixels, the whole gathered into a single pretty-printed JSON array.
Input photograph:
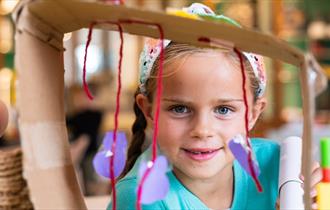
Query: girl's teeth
[{"x": 198, "y": 153}]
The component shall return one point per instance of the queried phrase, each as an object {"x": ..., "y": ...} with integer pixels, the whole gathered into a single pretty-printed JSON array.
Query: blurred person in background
[{"x": 83, "y": 125}]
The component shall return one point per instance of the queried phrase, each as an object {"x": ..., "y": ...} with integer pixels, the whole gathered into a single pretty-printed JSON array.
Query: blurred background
[{"x": 305, "y": 24}]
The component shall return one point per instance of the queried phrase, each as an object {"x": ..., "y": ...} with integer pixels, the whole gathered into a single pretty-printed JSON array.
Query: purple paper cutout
[
  {"x": 156, "y": 185},
  {"x": 101, "y": 161},
  {"x": 240, "y": 151}
]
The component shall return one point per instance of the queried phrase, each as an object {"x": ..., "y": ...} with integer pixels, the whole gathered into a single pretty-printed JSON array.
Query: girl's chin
[
  {"x": 200, "y": 173},
  {"x": 204, "y": 177}
]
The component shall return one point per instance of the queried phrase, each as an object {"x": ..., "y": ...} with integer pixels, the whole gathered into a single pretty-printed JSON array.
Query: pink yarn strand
[
  {"x": 112, "y": 174},
  {"x": 159, "y": 94},
  {"x": 89, "y": 39},
  {"x": 117, "y": 110},
  {"x": 246, "y": 119},
  {"x": 253, "y": 172},
  {"x": 158, "y": 99}
]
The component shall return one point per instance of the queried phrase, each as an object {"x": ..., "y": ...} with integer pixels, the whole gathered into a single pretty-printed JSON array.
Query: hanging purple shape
[
  {"x": 156, "y": 185},
  {"x": 240, "y": 151},
  {"x": 101, "y": 160}
]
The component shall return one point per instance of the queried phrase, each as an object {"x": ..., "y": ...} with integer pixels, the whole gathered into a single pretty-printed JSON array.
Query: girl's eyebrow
[
  {"x": 225, "y": 100},
  {"x": 176, "y": 100}
]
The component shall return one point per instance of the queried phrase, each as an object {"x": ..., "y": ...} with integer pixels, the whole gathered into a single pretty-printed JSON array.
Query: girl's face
[{"x": 202, "y": 108}]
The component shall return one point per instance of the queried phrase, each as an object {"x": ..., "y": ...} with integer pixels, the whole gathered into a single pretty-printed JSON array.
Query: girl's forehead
[
  {"x": 211, "y": 61},
  {"x": 203, "y": 73}
]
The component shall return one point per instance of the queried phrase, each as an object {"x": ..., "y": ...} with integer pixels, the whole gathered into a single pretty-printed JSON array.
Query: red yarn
[
  {"x": 89, "y": 38},
  {"x": 112, "y": 174},
  {"x": 253, "y": 173},
  {"x": 113, "y": 147},
  {"x": 254, "y": 176},
  {"x": 159, "y": 81},
  {"x": 158, "y": 99}
]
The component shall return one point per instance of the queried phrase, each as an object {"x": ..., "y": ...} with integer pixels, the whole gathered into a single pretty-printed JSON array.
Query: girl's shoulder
[
  {"x": 267, "y": 153},
  {"x": 178, "y": 196},
  {"x": 126, "y": 189},
  {"x": 246, "y": 195},
  {"x": 126, "y": 195},
  {"x": 261, "y": 143},
  {"x": 266, "y": 149}
]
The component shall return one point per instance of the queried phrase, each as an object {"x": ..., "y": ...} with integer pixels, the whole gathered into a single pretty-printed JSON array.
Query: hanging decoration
[
  {"x": 157, "y": 177},
  {"x": 102, "y": 158}
]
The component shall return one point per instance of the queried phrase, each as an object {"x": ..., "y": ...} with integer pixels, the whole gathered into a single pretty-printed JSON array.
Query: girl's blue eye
[
  {"x": 179, "y": 109},
  {"x": 222, "y": 110}
]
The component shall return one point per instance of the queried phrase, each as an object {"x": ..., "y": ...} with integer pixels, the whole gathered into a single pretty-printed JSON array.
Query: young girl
[{"x": 201, "y": 109}]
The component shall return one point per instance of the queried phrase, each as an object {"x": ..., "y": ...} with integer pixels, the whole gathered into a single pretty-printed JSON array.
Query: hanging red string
[
  {"x": 89, "y": 39},
  {"x": 246, "y": 118},
  {"x": 158, "y": 99},
  {"x": 113, "y": 147},
  {"x": 112, "y": 174}
]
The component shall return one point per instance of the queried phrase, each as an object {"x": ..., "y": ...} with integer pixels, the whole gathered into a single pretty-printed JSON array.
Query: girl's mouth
[{"x": 201, "y": 154}]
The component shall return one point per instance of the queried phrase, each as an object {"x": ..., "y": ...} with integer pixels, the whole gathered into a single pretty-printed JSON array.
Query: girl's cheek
[
  {"x": 168, "y": 127},
  {"x": 229, "y": 129},
  {"x": 229, "y": 154}
]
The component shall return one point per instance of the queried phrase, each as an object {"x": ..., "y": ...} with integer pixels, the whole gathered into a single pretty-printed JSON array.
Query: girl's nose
[{"x": 202, "y": 127}]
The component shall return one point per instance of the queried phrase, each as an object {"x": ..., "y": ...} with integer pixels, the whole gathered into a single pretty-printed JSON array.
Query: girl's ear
[
  {"x": 145, "y": 106},
  {"x": 258, "y": 107}
]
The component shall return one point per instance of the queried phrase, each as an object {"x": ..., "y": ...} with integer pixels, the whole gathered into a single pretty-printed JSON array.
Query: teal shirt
[{"x": 246, "y": 195}]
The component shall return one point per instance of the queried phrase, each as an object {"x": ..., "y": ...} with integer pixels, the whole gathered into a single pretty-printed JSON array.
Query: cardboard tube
[
  {"x": 47, "y": 162},
  {"x": 290, "y": 190}
]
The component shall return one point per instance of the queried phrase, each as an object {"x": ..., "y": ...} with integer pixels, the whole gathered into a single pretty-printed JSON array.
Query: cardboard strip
[
  {"x": 40, "y": 99},
  {"x": 72, "y": 15},
  {"x": 308, "y": 113},
  {"x": 55, "y": 190},
  {"x": 38, "y": 136},
  {"x": 319, "y": 79},
  {"x": 40, "y": 95},
  {"x": 36, "y": 27}
]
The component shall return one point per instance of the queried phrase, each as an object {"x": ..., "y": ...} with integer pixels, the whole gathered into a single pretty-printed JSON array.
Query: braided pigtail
[{"x": 135, "y": 148}]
